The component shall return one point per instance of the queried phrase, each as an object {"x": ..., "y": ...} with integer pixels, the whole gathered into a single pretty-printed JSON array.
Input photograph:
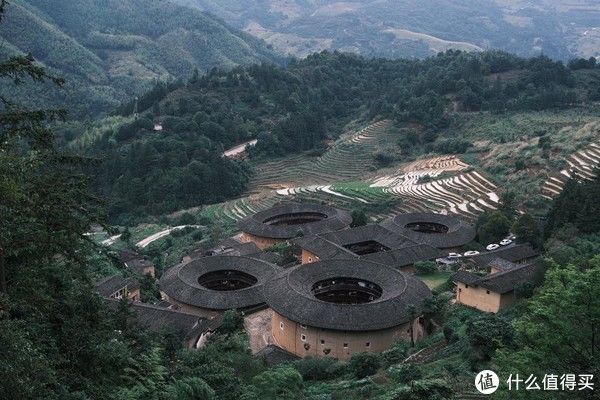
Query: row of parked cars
[{"x": 489, "y": 247}]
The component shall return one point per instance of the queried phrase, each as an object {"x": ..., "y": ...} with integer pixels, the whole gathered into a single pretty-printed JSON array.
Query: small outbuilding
[
  {"x": 191, "y": 328},
  {"x": 495, "y": 291},
  {"x": 291, "y": 220},
  {"x": 446, "y": 232},
  {"x": 118, "y": 287},
  {"x": 517, "y": 254},
  {"x": 211, "y": 285},
  {"x": 137, "y": 263},
  {"x": 337, "y": 308}
]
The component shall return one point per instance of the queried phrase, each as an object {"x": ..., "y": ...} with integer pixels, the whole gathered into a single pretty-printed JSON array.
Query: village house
[
  {"x": 518, "y": 254},
  {"x": 118, "y": 287},
  {"x": 192, "y": 329},
  {"x": 137, "y": 263},
  {"x": 496, "y": 290}
]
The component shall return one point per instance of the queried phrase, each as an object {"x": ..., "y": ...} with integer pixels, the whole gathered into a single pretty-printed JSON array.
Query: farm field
[{"x": 347, "y": 176}]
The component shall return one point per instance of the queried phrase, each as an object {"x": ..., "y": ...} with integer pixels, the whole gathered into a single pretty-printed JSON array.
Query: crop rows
[
  {"x": 582, "y": 165},
  {"x": 348, "y": 159},
  {"x": 468, "y": 193},
  {"x": 234, "y": 210}
]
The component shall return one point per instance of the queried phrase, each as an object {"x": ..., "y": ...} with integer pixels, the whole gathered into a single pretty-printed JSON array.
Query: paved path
[
  {"x": 240, "y": 148},
  {"x": 145, "y": 242}
]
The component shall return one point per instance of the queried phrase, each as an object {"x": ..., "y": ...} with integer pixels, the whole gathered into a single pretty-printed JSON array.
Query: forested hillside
[
  {"x": 409, "y": 28},
  {"x": 112, "y": 50},
  {"x": 298, "y": 108}
]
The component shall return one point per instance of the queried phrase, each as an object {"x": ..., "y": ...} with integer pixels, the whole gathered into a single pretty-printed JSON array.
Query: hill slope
[
  {"x": 400, "y": 28},
  {"x": 169, "y": 156},
  {"x": 112, "y": 50}
]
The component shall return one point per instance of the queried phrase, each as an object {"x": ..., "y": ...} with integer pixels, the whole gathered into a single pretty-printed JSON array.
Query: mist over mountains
[{"x": 417, "y": 28}]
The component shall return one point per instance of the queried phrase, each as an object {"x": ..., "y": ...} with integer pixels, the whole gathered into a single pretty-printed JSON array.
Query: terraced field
[
  {"x": 581, "y": 165},
  {"x": 348, "y": 159},
  {"x": 346, "y": 177},
  {"x": 466, "y": 193},
  {"x": 231, "y": 211}
]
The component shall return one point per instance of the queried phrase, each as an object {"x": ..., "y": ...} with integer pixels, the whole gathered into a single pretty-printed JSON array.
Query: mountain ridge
[{"x": 111, "y": 51}]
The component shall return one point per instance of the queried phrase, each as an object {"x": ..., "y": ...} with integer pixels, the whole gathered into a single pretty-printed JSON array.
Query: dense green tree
[
  {"x": 364, "y": 364},
  {"x": 488, "y": 333},
  {"x": 231, "y": 321},
  {"x": 577, "y": 205},
  {"x": 318, "y": 368},
  {"x": 559, "y": 332},
  {"x": 359, "y": 218},
  {"x": 527, "y": 230},
  {"x": 425, "y": 267},
  {"x": 492, "y": 227},
  {"x": 284, "y": 383},
  {"x": 189, "y": 389}
]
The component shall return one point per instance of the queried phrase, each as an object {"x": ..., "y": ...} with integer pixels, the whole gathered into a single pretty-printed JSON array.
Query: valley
[{"x": 409, "y": 28}]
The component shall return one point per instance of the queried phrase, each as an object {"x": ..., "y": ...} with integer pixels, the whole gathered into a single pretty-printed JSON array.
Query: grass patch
[{"x": 436, "y": 279}]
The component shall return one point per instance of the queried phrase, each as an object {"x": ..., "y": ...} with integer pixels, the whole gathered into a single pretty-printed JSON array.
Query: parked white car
[
  {"x": 471, "y": 253},
  {"x": 505, "y": 242},
  {"x": 492, "y": 246},
  {"x": 454, "y": 255}
]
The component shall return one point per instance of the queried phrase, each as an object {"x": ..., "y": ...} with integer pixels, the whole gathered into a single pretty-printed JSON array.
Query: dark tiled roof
[
  {"x": 107, "y": 286},
  {"x": 503, "y": 282},
  {"x": 138, "y": 265},
  {"x": 181, "y": 282},
  {"x": 515, "y": 254},
  {"x": 322, "y": 248},
  {"x": 255, "y": 224},
  {"x": 238, "y": 249},
  {"x": 405, "y": 256},
  {"x": 159, "y": 319},
  {"x": 501, "y": 264},
  {"x": 323, "y": 244},
  {"x": 274, "y": 355},
  {"x": 465, "y": 277},
  {"x": 459, "y": 233},
  {"x": 402, "y": 251},
  {"x": 499, "y": 282},
  {"x": 290, "y": 294}
]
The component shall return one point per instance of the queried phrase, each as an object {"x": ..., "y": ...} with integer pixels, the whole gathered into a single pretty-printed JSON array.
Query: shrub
[
  {"x": 425, "y": 267},
  {"x": 452, "y": 146},
  {"x": 364, "y": 364},
  {"x": 449, "y": 334},
  {"x": 405, "y": 373},
  {"x": 186, "y": 219},
  {"x": 359, "y": 218},
  {"x": 314, "y": 369},
  {"x": 396, "y": 354},
  {"x": 383, "y": 160},
  {"x": 231, "y": 322},
  {"x": 197, "y": 235}
]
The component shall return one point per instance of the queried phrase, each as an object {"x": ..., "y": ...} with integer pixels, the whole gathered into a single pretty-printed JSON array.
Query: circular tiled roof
[
  {"x": 456, "y": 233},
  {"x": 324, "y": 219},
  {"x": 181, "y": 282},
  {"x": 291, "y": 294}
]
